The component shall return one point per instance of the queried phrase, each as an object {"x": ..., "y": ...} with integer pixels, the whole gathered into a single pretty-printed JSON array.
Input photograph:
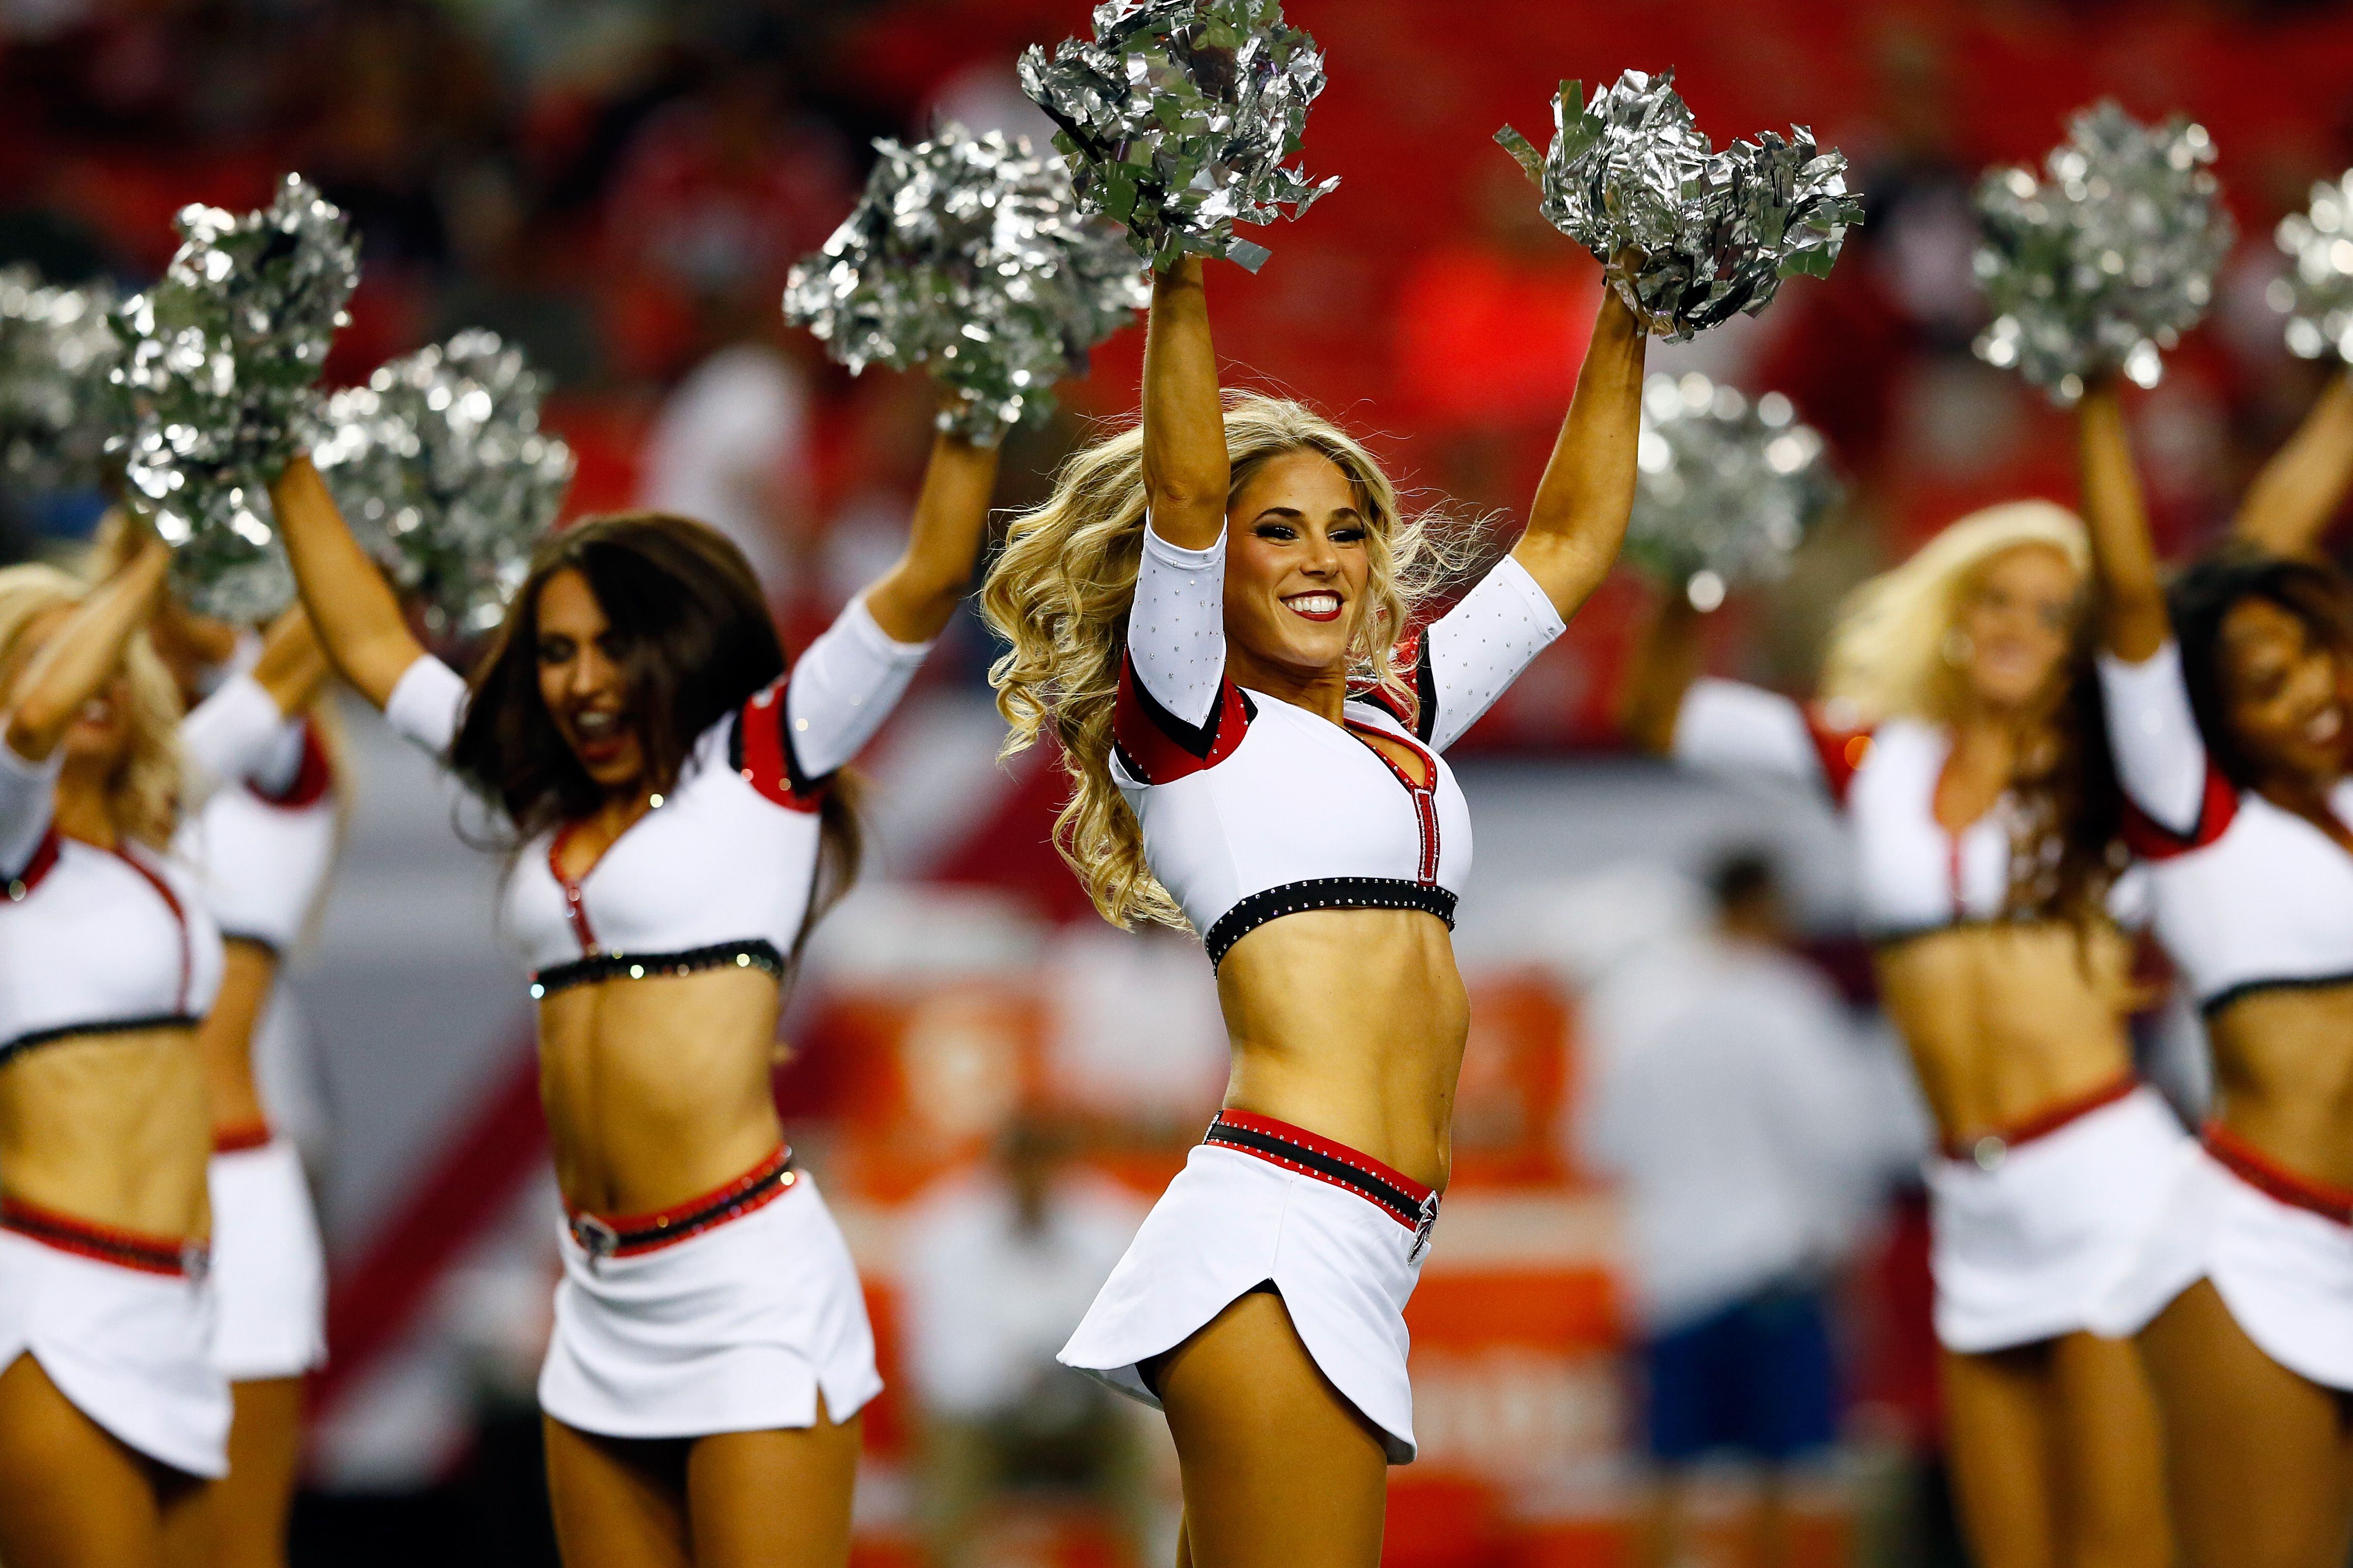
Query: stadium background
[{"x": 620, "y": 185}]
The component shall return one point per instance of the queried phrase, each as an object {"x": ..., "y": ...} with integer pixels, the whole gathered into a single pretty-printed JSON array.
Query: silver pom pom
[
  {"x": 970, "y": 256},
  {"x": 2107, "y": 261},
  {"x": 1725, "y": 488},
  {"x": 2317, "y": 295},
  {"x": 1688, "y": 236},
  {"x": 224, "y": 356},
  {"x": 1177, "y": 117},
  {"x": 440, "y": 465},
  {"x": 58, "y": 406}
]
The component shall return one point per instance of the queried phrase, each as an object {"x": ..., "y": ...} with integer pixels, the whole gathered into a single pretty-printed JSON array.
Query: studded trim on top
[
  {"x": 1324, "y": 893},
  {"x": 758, "y": 953},
  {"x": 26, "y": 1042}
]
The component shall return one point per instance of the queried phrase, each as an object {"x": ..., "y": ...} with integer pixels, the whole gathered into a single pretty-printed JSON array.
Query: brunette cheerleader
[
  {"x": 2228, "y": 704},
  {"x": 1959, "y": 733},
  {"x": 1206, "y": 616},
  {"x": 680, "y": 822}
]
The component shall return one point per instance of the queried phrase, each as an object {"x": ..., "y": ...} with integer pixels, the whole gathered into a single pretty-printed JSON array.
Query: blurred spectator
[
  {"x": 1733, "y": 1099},
  {"x": 1000, "y": 1266}
]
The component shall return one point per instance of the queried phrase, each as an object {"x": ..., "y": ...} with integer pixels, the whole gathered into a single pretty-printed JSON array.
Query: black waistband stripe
[
  {"x": 758, "y": 954},
  {"x": 2222, "y": 999},
  {"x": 1324, "y": 893},
  {"x": 27, "y": 1041},
  {"x": 1403, "y": 1204}
]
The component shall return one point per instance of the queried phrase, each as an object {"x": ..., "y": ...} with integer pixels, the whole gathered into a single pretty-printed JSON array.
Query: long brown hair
[{"x": 696, "y": 641}]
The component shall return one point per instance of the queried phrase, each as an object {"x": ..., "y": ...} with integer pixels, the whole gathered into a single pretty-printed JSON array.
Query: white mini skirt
[
  {"x": 269, "y": 1268},
  {"x": 128, "y": 1346},
  {"x": 738, "y": 1328},
  {"x": 2027, "y": 1238},
  {"x": 1261, "y": 1202},
  {"x": 2284, "y": 1271}
]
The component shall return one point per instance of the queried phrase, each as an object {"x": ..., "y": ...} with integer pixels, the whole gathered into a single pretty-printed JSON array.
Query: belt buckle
[
  {"x": 195, "y": 1261},
  {"x": 1988, "y": 1153},
  {"x": 596, "y": 1238},
  {"x": 1427, "y": 1222}
]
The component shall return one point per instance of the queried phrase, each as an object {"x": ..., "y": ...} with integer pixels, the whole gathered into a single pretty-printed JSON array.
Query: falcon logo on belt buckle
[
  {"x": 1428, "y": 1223},
  {"x": 596, "y": 1238}
]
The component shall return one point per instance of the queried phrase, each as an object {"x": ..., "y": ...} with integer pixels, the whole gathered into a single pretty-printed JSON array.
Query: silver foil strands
[
  {"x": 1687, "y": 235},
  {"x": 58, "y": 406},
  {"x": 970, "y": 256},
  {"x": 1177, "y": 117},
  {"x": 2104, "y": 261},
  {"x": 2317, "y": 294},
  {"x": 223, "y": 358},
  {"x": 1727, "y": 488},
  {"x": 441, "y": 469}
]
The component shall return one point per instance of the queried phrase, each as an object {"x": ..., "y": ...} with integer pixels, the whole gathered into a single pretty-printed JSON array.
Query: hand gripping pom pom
[
  {"x": 222, "y": 356},
  {"x": 2317, "y": 294},
  {"x": 1726, "y": 487},
  {"x": 2108, "y": 259},
  {"x": 1176, "y": 119},
  {"x": 440, "y": 465},
  {"x": 59, "y": 405},
  {"x": 970, "y": 256},
  {"x": 1687, "y": 235}
]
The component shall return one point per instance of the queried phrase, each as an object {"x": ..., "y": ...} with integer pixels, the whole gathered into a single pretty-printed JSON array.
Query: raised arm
[
  {"x": 1665, "y": 663},
  {"x": 83, "y": 656},
  {"x": 913, "y": 601},
  {"x": 2133, "y": 623},
  {"x": 356, "y": 614},
  {"x": 1579, "y": 515},
  {"x": 1186, "y": 474},
  {"x": 2300, "y": 490},
  {"x": 246, "y": 729}
]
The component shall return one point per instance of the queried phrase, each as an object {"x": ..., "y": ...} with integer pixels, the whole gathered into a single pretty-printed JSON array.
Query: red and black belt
[
  {"x": 1394, "y": 1193},
  {"x": 172, "y": 1255},
  {"x": 1989, "y": 1150},
  {"x": 626, "y": 1236},
  {"x": 2276, "y": 1181}
]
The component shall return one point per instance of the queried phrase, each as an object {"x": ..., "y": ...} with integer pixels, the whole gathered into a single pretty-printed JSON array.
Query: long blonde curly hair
[
  {"x": 1060, "y": 592},
  {"x": 1888, "y": 657},
  {"x": 142, "y": 798}
]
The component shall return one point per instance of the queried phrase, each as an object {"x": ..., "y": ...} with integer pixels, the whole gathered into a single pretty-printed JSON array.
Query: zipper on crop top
[
  {"x": 576, "y": 907},
  {"x": 1424, "y": 794}
]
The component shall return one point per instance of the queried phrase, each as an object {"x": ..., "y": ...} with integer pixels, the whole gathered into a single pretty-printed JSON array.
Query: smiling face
[
  {"x": 1296, "y": 566},
  {"x": 2015, "y": 626},
  {"x": 99, "y": 736},
  {"x": 2284, "y": 692},
  {"x": 584, "y": 684}
]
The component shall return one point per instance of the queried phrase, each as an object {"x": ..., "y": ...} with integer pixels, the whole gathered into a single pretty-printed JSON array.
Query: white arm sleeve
[
  {"x": 2160, "y": 757},
  {"x": 1176, "y": 627},
  {"x": 238, "y": 733},
  {"x": 426, "y": 705},
  {"x": 1475, "y": 651},
  {"x": 27, "y": 797},
  {"x": 843, "y": 687},
  {"x": 1725, "y": 726}
]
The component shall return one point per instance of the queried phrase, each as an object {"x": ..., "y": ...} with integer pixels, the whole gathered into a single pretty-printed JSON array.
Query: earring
[{"x": 1958, "y": 648}]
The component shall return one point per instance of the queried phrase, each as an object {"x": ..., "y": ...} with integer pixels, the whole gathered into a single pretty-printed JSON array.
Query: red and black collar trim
[
  {"x": 123, "y": 1249},
  {"x": 20, "y": 885}
]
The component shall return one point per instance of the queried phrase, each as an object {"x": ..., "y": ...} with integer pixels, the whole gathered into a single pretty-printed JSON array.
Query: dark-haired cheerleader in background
[
  {"x": 680, "y": 821},
  {"x": 2228, "y": 702}
]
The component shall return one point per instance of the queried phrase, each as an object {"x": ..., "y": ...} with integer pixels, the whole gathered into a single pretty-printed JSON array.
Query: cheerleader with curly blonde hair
[
  {"x": 1211, "y": 616},
  {"x": 1958, "y": 731}
]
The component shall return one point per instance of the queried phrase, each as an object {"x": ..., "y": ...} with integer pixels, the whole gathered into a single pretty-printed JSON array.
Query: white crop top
[
  {"x": 719, "y": 872},
  {"x": 1913, "y": 875},
  {"x": 1254, "y": 808},
  {"x": 263, "y": 843},
  {"x": 2249, "y": 897},
  {"x": 92, "y": 941}
]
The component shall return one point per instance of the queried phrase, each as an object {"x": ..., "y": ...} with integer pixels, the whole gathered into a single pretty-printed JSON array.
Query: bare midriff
[
  {"x": 110, "y": 1129},
  {"x": 226, "y": 1037},
  {"x": 1349, "y": 1024},
  {"x": 658, "y": 1090},
  {"x": 2284, "y": 1077},
  {"x": 2009, "y": 1023}
]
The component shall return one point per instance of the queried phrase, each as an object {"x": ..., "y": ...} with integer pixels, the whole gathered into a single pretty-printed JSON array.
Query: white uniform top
[
  {"x": 263, "y": 843},
  {"x": 1254, "y": 808},
  {"x": 91, "y": 940},
  {"x": 1914, "y": 876},
  {"x": 2249, "y": 897},
  {"x": 721, "y": 873}
]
